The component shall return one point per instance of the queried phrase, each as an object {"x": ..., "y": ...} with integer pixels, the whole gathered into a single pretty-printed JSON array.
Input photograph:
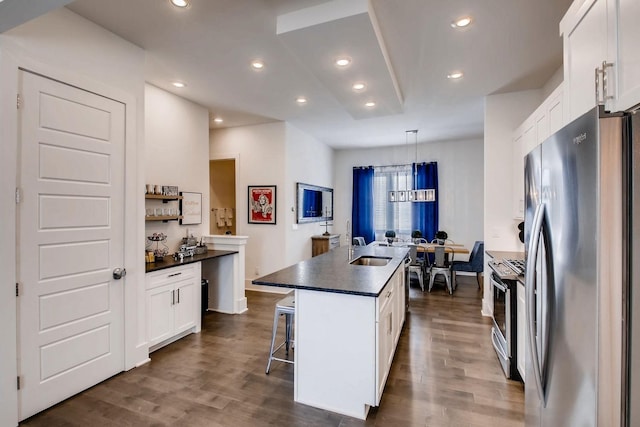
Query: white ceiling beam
[
  {"x": 17, "y": 12},
  {"x": 320, "y": 14}
]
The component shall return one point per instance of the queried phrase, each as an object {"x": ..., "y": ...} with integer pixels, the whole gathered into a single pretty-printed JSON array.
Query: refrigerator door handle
[{"x": 536, "y": 235}]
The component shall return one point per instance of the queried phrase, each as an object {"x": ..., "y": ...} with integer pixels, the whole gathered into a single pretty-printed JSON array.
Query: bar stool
[{"x": 287, "y": 307}]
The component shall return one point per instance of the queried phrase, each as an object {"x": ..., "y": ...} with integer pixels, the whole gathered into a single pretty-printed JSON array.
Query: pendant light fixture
[{"x": 415, "y": 194}]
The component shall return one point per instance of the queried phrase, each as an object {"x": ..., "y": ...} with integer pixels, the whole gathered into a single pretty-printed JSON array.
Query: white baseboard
[{"x": 486, "y": 309}]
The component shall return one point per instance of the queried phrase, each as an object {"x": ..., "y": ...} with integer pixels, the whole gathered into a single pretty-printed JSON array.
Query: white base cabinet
[
  {"x": 173, "y": 304},
  {"x": 521, "y": 339},
  {"x": 345, "y": 344}
]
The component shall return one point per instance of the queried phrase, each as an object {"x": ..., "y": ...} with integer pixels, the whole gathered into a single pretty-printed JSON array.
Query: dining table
[
  {"x": 453, "y": 248},
  {"x": 449, "y": 248}
]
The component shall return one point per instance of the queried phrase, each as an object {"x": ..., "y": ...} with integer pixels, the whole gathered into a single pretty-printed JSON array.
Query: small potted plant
[
  {"x": 441, "y": 236},
  {"x": 390, "y": 235}
]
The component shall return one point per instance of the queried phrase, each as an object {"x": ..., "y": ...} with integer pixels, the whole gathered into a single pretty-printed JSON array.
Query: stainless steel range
[{"x": 503, "y": 333}]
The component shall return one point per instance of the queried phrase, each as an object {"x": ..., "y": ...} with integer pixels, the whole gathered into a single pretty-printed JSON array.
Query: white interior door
[{"x": 70, "y": 238}]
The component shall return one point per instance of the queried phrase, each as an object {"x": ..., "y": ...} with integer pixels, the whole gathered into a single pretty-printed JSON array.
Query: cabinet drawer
[
  {"x": 385, "y": 298},
  {"x": 334, "y": 242},
  {"x": 170, "y": 275}
]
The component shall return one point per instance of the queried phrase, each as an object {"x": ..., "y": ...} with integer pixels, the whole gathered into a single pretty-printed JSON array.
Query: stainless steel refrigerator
[{"x": 580, "y": 190}]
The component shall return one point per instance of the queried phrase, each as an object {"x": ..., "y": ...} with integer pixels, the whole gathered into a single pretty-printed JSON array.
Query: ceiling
[{"x": 403, "y": 50}]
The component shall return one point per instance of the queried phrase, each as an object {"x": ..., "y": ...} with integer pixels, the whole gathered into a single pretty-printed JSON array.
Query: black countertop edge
[
  {"x": 332, "y": 272},
  {"x": 169, "y": 262},
  {"x": 314, "y": 288}
]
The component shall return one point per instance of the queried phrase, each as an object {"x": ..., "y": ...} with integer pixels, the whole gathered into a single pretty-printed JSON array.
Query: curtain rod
[{"x": 391, "y": 166}]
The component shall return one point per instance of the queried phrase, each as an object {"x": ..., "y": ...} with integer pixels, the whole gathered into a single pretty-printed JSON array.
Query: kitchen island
[{"x": 348, "y": 321}]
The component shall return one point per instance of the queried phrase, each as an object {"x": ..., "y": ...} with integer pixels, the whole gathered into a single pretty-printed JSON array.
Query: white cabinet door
[
  {"x": 529, "y": 138},
  {"x": 624, "y": 42},
  {"x": 160, "y": 313},
  {"x": 585, "y": 38},
  {"x": 542, "y": 127},
  {"x": 521, "y": 329},
  {"x": 185, "y": 306},
  {"x": 385, "y": 345},
  {"x": 518, "y": 178},
  {"x": 554, "y": 111},
  {"x": 399, "y": 304}
]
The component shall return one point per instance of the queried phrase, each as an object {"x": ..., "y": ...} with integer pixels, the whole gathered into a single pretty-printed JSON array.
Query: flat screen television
[{"x": 313, "y": 203}]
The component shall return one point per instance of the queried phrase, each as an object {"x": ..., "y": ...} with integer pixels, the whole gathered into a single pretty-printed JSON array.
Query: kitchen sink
[{"x": 371, "y": 260}]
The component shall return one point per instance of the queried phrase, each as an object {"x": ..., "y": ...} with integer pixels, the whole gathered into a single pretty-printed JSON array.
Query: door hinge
[
  {"x": 18, "y": 101},
  {"x": 17, "y": 289},
  {"x": 18, "y": 382},
  {"x": 18, "y": 195}
]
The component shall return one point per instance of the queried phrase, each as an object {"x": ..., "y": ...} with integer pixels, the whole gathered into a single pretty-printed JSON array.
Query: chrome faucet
[{"x": 350, "y": 241}]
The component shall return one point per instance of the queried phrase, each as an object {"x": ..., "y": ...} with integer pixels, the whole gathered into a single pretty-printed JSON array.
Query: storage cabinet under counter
[
  {"x": 322, "y": 244},
  {"x": 342, "y": 304},
  {"x": 173, "y": 302}
]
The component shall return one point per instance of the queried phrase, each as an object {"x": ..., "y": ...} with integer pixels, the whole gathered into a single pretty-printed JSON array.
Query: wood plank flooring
[{"x": 445, "y": 373}]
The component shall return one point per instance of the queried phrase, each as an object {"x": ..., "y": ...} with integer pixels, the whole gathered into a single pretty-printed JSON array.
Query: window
[{"x": 388, "y": 215}]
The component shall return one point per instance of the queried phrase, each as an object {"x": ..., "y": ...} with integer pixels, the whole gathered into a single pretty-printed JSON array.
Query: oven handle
[
  {"x": 496, "y": 345},
  {"x": 536, "y": 235},
  {"x": 498, "y": 285}
]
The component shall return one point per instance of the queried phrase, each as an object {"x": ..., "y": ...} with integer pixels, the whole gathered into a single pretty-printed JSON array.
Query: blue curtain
[
  {"x": 362, "y": 204},
  {"x": 425, "y": 214}
]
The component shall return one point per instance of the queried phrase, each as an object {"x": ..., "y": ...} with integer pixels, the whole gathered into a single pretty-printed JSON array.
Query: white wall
[
  {"x": 69, "y": 48},
  {"x": 273, "y": 154},
  {"x": 310, "y": 162},
  {"x": 177, "y": 153},
  {"x": 259, "y": 152},
  {"x": 460, "y": 177},
  {"x": 503, "y": 114}
]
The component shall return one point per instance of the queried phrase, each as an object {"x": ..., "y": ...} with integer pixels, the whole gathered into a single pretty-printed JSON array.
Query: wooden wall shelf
[
  {"x": 163, "y": 218},
  {"x": 164, "y": 199}
]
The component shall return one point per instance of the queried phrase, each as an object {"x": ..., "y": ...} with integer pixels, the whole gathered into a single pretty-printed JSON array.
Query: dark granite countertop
[
  {"x": 500, "y": 255},
  {"x": 332, "y": 272},
  {"x": 505, "y": 255},
  {"x": 169, "y": 262}
]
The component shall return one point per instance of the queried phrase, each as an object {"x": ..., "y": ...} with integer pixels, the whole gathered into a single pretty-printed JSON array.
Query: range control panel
[{"x": 503, "y": 270}]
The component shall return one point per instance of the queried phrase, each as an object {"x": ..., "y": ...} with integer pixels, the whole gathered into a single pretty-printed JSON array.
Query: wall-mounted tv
[{"x": 313, "y": 203}]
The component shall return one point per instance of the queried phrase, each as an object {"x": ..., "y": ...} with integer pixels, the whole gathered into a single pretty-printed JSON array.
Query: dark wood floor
[{"x": 445, "y": 373}]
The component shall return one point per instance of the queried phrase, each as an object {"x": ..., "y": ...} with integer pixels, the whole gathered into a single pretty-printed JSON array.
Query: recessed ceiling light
[
  {"x": 180, "y": 3},
  {"x": 370, "y": 104},
  {"x": 461, "y": 22},
  {"x": 257, "y": 64},
  {"x": 359, "y": 86},
  {"x": 343, "y": 62},
  {"x": 301, "y": 100},
  {"x": 179, "y": 84},
  {"x": 218, "y": 120},
  {"x": 455, "y": 75}
]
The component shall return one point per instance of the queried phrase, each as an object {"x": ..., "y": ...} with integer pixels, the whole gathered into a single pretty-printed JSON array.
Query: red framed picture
[{"x": 262, "y": 204}]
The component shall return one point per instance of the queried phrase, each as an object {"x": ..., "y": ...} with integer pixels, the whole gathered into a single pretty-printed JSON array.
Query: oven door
[
  {"x": 501, "y": 331},
  {"x": 501, "y": 309}
]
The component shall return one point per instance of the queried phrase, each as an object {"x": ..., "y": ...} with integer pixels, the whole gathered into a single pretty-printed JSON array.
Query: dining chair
[
  {"x": 417, "y": 265},
  {"x": 359, "y": 241},
  {"x": 475, "y": 264},
  {"x": 441, "y": 266}
]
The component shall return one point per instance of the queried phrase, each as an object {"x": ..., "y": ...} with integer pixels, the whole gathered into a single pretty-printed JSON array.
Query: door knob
[{"x": 119, "y": 273}]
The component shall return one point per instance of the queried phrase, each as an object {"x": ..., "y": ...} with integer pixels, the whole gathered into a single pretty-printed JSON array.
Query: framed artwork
[
  {"x": 191, "y": 208},
  {"x": 262, "y": 204}
]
